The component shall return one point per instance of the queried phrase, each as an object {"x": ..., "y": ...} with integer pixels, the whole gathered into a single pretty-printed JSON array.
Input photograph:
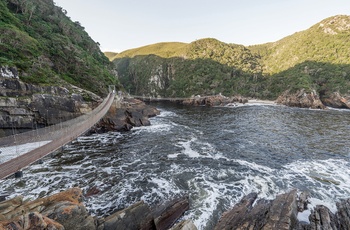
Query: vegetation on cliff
[
  {"x": 315, "y": 59},
  {"x": 46, "y": 47},
  {"x": 206, "y": 66}
]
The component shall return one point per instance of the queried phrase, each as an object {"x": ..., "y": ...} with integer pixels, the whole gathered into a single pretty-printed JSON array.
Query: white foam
[
  {"x": 194, "y": 148},
  {"x": 255, "y": 166},
  {"x": 165, "y": 113},
  {"x": 304, "y": 216},
  {"x": 10, "y": 152},
  {"x": 187, "y": 148},
  {"x": 154, "y": 128}
]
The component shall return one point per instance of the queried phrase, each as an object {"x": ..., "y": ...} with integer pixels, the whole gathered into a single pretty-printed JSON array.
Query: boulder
[
  {"x": 184, "y": 225},
  {"x": 9, "y": 72},
  {"x": 280, "y": 213},
  {"x": 62, "y": 209},
  {"x": 303, "y": 201},
  {"x": 343, "y": 214},
  {"x": 283, "y": 212},
  {"x": 33, "y": 220},
  {"x": 239, "y": 216},
  {"x": 125, "y": 115},
  {"x": 70, "y": 215},
  {"x": 322, "y": 218},
  {"x": 336, "y": 100},
  {"x": 166, "y": 215},
  {"x": 301, "y": 99},
  {"x": 136, "y": 217},
  {"x": 216, "y": 100}
]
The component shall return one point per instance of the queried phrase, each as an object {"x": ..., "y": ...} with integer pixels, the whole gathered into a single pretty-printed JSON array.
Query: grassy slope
[{"x": 163, "y": 49}]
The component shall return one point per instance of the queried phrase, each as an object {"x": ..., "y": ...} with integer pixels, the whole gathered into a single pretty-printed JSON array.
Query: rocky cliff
[{"x": 25, "y": 106}]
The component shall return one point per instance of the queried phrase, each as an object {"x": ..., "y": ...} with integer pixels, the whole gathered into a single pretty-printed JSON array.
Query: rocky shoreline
[
  {"x": 300, "y": 99},
  {"x": 313, "y": 100},
  {"x": 66, "y": 210}
]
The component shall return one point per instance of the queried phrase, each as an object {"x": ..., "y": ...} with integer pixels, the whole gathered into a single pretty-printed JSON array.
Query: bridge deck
[{"x": 65, "y": 133}]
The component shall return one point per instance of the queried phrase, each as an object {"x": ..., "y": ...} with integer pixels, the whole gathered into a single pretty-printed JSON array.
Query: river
[{"x": 213, "y": 155}]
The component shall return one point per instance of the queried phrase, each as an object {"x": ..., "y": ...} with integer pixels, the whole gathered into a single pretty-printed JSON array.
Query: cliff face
[{"x": 24, "y": 106}]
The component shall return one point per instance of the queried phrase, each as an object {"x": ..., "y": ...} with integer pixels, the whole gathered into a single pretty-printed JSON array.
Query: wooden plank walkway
[{"x": 14, "y": 165}]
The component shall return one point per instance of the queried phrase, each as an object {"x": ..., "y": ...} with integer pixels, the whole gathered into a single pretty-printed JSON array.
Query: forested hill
[
  {"x": 46, "y": 47},
  {"x": 317, "y": 59}
]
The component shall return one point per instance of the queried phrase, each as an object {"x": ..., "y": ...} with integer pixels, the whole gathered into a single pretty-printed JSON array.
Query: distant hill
[
  {"x": 48, "y": 48},
  {"x": 315, "y": 59},
  {"x": 163, "y": 49},
  {"x": 110, "y": 55},
  {"x": 205, "y": 66}
]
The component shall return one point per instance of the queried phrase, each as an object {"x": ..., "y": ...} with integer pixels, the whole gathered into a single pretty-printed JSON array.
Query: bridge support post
[
  {"x": 18, "y": 174},
  {"x": 111, "y": 88}
]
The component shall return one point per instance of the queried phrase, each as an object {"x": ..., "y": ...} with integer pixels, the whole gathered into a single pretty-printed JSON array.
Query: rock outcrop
[
  {"x": 301, "y": 99},
  {"x": 216, "y": 100},
  {"x": 336, "y": 100},
  {"x": 9, "y": 72},
  {"x": 65, "y": 211},
  {"x": 166, "y": 215},
  {"x": 126, "y": 114},
  {"x": 281, "y": 214},
  {"x": 25, "y": 106},
  {"x": 137, "y": 216}
]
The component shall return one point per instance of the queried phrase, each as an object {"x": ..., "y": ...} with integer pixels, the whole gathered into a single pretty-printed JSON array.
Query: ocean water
[{"x": 213, "y": 155}]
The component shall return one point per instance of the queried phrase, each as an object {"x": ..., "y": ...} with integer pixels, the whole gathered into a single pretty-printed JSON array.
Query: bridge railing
[
  {"x": 47, "y": 133},
  {"x": 63, "y": 133}
]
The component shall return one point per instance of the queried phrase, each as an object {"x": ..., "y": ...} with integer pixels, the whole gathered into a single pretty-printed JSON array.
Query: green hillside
[
  {"x": 48, "y": 48},
  {"x": 206, "y": 66},
  {"x": 327, "y": 42},
  {"x": 110, "y": 55},
  {"x": 315, "y": 59},
  {"x": 163, "y": 49}
]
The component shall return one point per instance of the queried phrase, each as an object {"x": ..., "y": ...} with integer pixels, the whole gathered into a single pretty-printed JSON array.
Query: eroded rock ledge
[
  {"x": 282, "y": 214},
  {"x": 65, "y": 210}
]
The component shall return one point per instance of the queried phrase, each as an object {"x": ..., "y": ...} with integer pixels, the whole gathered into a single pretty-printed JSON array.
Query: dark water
[{"x": 214, "y": 155}]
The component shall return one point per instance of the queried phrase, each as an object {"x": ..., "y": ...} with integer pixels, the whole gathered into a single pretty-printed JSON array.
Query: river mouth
[{"x": 213, "y": 155}]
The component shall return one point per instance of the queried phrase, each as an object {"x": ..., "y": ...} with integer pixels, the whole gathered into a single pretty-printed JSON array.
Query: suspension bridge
[{"x": 49, "y": 139}]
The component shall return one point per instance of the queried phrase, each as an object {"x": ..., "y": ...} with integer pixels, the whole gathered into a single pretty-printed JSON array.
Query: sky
[{"x": 120, "y": 25}]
